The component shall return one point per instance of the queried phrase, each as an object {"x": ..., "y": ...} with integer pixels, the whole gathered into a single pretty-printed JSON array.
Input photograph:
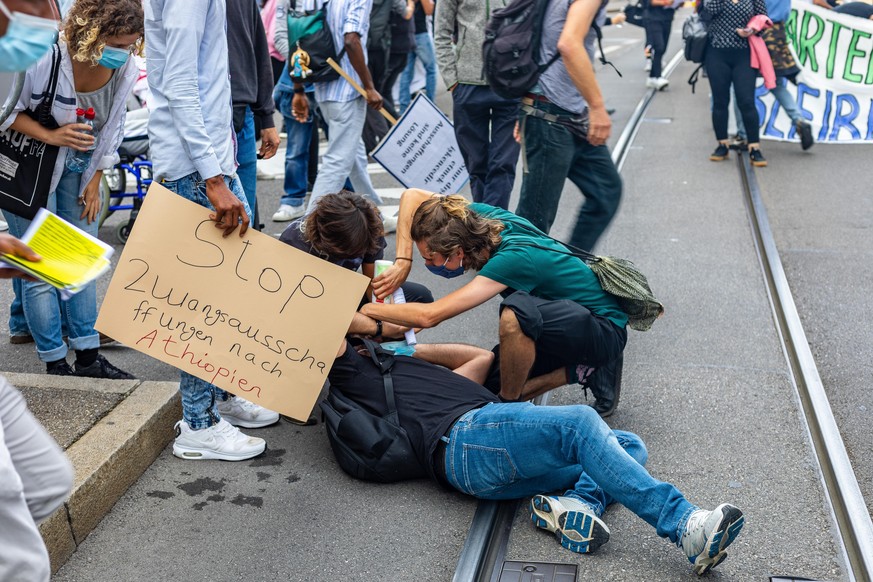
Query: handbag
[
  {"x": 634, "y": 13},
  {"x": 27, "y": 164},
  {"x": 367, "y": 446},
  {"x": 618, "y": 277}
]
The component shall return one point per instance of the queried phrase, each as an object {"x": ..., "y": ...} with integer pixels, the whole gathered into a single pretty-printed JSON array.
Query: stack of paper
[{"x": 71, "y": 258}]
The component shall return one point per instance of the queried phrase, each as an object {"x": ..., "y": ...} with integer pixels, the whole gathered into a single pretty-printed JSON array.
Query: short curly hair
[
  {"x": 344, "y": 225},
  {"x": 90, "y": 22}
]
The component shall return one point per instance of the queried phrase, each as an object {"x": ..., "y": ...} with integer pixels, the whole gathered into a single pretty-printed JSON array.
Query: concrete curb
[{"x": 108, "y": 459}]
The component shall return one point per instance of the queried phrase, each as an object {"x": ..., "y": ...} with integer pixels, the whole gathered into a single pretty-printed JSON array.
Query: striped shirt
[{"x": 343, "y": 17}]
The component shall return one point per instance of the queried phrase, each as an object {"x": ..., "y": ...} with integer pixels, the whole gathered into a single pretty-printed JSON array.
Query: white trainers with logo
[
  {"x": 574, "y": 523},
  {"x": 220, "y": 441},
  {"x": 240, "y": 412},
  {"x": 708, "y": 533},
  {"x": 287, "y": 212}
]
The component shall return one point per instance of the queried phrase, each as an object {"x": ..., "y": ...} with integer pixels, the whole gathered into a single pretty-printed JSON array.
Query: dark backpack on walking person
[
  {"x": 309, "y": 32},
  {"x": 512, "y": 47}
]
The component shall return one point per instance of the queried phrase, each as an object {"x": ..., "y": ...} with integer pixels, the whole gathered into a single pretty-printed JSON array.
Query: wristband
[
  {"x": 299, "y": 90},
  {"x": 378, "y": 329},
  {"x": 403, "y": 259}
]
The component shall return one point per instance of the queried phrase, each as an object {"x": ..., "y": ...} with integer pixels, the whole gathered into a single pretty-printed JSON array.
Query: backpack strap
[
  {"x": 384, "y": 361},
  {"x": 574, "y": 251}
]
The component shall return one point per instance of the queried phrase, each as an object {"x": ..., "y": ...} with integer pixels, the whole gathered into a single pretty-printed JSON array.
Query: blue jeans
[
  {"x": 296, "y": 148},
  {"x": 199, "y": 396},
  {"x": 781, "y": 94},
  {"x": 516, "y": 450},
  {"x": 554, "y": 155},
  {"x": 424, "y": 51},
  {"x": 483, "y": 126},
  {"x": 345, "y": 155},
  {"x": 44, "y": 312},
  {"x": 247, "y": 158}
]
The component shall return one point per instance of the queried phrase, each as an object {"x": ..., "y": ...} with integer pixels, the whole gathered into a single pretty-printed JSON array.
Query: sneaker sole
[
  {"x": 244, "y": 423},
  {"x": 728, "y": 529},
  {"x": 192, "y": 454},
  {"x": 577, "y": 531},
  {"x": 759, "y": 164},
  {"x": 715, "y": 158}
]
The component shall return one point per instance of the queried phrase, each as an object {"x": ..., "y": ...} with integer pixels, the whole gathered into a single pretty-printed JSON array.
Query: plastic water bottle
[
  {"x": 397, "y": 297},
  {"x": 78, "y": 161}
]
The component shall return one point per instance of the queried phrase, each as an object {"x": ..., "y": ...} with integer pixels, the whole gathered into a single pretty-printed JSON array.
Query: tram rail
[{"x": 484, "y": 549}]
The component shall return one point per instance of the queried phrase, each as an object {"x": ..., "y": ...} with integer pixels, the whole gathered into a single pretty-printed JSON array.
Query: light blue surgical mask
[
  {"x": 113, "y": 58},
  {"x": 27, "y": 39}
]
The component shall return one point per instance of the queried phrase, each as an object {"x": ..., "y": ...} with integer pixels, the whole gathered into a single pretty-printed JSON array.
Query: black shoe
[
  {"x": 720, "y": 153},
  {"x": 757, "y": 158},
  {"x": 739, "y": 144},
  {"x": 101, "y": 368},
  {"x": 805, "y": 131},
  {"x": 59, "y": 368},
  {"x": 605, "y": 386},
  {"x": 20, "y": 338}
]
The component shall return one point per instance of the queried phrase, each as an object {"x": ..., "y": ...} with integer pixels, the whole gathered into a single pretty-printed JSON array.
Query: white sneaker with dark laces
[
  {"x": 240, "y": 412},
  {"x": 220, "y": 441},
  {"x": 708, "y": 533},
  {"x": 574, "y": 523}
]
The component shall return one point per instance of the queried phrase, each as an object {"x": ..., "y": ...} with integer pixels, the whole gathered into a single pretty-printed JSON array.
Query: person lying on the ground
[
  {"x": 346, "y": 229},
  {"x": 554, "y": 309},
  {"x": 469, "y": 441}
]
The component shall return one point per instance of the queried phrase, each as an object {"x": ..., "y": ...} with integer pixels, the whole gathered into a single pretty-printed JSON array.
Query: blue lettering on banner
[
  {"x": 870, "y": 121},
  {"x": 842, "y": 120}
]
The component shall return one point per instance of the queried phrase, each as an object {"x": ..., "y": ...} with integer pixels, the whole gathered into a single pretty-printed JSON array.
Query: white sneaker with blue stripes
[
  {"x": 574, "y": 523},
  {"x": 708, "y": 533}
]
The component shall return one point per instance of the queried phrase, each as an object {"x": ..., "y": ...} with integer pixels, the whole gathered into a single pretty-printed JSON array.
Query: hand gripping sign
[{"x": 249, "y": 314}]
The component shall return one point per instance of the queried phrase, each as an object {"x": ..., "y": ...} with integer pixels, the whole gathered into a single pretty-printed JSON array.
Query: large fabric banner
[{"x": 835, "y": 87}]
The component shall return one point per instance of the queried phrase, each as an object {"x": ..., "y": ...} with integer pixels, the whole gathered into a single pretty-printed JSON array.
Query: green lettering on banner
[
  {"x": 832, "y": 49},
  {"x": 791, "y": 29},
  {"x": 806, "y": 44},
  {"x": 869, "y": 79},
  {"x": 852, "y": 53}
]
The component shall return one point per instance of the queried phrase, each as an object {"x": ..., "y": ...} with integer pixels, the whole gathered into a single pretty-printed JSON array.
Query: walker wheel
[{"x": 122, "y": 232}]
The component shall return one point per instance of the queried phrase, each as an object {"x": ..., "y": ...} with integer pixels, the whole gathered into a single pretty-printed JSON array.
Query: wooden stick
[{"x": 358, "y": 88}]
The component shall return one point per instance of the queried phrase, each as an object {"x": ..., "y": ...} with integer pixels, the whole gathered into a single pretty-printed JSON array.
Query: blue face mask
[
  {"x": 27, "y": 39},
  {"x": 113, "y": 58},
  {"x": 443, "y": 271}
]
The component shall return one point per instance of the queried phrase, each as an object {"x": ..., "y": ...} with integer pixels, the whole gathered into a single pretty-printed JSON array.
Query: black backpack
[
  {"x": 366, "y": 446},
  {"x": 379, "y": 36},
  {"x": 311, "y": 44},
  {"x": 512, "y": 46},
  {"x": 695, "y": 33}
]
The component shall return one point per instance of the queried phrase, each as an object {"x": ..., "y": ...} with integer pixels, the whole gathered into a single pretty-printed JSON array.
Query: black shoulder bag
[
  {"x": 27, "y": 164},
  {"x": 366, "y": 446}
]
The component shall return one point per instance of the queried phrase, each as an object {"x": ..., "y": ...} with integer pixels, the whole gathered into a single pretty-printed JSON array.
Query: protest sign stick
[{"x": 358, "y": 88}]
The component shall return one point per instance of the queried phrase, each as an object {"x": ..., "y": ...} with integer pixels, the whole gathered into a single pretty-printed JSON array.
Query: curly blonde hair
[
  {"x": 90, "y": 22},
  {"x": 446, "y": 223}
]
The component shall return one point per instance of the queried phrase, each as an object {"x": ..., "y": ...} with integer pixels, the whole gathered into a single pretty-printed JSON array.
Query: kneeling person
[{"x": 463, "y": 435}]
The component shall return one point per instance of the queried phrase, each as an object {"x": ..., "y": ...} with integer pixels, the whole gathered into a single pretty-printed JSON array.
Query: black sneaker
[
  {"x": 805, "y": 131},
  {"x": 757, "y": 158},
  {"x": 61, "y": 368},
  {"x": 605, "y": 386},
  {"x": 101, "y": 368},
  {"x": 720, "y": 153}
]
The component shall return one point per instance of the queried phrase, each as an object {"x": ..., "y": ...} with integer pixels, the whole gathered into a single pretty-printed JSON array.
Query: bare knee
[{"x": 509, "y": 325}]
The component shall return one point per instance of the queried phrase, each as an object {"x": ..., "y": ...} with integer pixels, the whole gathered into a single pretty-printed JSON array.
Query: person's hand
[
  {"x": 269, "y": 142},
  {"x": 599, "y": 125},
  {"x": 9, "y": 245},
  {"x": 230, "y": 212},
  {"x": 71, "y": 136},
  {"x": 452, "y": 88},
  {"x": 619, "y": 18},
  {"x": 300, "y": 107},
  {"x": 374, "y": 100},
  {"x": 516, "y": 133},
  {"x": 91, "y": 199},
  {"x": 391, "y": 278},
  {"x": 745, "y": 32}
]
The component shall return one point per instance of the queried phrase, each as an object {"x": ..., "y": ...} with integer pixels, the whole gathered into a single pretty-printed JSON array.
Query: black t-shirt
[
  {"x": 294, "y": 237},
  {"x": 429, "y": 398},
  {"x": 859, "y": 9},
  {"x": 420, "y": 19}
]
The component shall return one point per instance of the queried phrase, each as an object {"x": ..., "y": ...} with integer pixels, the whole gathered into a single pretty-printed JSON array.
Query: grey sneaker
[
  {"x": 240, "y": 412},
  {"x": 574, "y": 523},
  {"x": 708, "y": 533}
]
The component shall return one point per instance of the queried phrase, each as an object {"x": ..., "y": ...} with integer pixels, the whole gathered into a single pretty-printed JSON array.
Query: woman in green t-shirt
[{"x": 557, "y": 325}]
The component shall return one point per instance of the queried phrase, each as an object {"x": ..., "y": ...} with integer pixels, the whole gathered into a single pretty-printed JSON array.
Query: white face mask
[{"x": 27, "y": 39}]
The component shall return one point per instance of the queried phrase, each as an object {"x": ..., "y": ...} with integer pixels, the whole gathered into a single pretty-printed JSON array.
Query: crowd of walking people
[{"x": 219, "y": 72}]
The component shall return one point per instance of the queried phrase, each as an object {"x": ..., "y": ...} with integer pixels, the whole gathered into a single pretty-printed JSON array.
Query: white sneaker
[
  {"x": 708, "y": 533},
  {"x": 389, "y": 224},
  {"x": 287, "y": 212},
  {"x": 574, "y": 523},
  {"x": 240, "y": 412},
  {"x": 657, "y": 83},
  {"x": 220, "y": 441}
]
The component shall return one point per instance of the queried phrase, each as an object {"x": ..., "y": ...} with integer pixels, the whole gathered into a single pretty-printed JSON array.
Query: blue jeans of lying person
[
  {"x": 45, "y": 314},
  {"x": 516, "y": 450},
  {"x": 199, "y": 396}
]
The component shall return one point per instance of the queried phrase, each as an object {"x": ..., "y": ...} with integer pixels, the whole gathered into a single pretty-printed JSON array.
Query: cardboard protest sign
[
  {"x": 421, "y": 151},
  {"x": 251, "y": 315},
  {"x": 835, "y": 89}
]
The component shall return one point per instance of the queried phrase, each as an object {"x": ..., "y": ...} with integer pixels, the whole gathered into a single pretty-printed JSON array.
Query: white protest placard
[
  {"x": 421, "y": 151},
  {"x": 250, "y": 314},
  {"x": 835, "y": 89}
]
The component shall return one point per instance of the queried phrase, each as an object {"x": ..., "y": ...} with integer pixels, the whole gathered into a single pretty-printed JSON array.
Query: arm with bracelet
[{"x": 398, "y": 297}]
